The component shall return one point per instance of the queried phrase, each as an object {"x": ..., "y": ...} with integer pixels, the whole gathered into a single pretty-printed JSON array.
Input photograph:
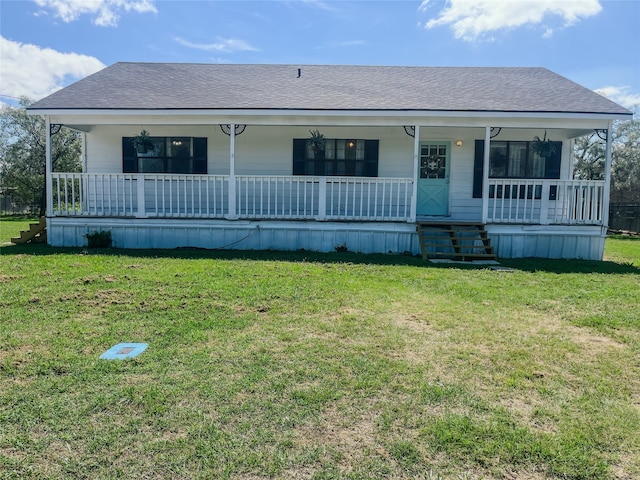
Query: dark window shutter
[
  {"x": 200, "y": 156},
  {"x": 552, "y": 167},
  {"x": 299, "y": 154},
  {"x": 478, "y": 164},
  {"x": 371, "y": 148},
  {"x": 129, "y": 156}
]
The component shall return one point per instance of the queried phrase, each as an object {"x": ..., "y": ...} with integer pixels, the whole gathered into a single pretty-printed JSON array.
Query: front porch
[{"x": 363, "y": 199}]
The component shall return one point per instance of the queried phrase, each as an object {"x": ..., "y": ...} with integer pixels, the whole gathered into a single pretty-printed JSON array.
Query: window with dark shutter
[
  {"x": 185, "y": 155},
  {"x": 339, "y": 157},
  {"x": 514, "y": 159}
]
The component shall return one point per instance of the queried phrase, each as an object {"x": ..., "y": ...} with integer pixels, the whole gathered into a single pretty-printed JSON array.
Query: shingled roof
[{"x": 162, "y": 86}]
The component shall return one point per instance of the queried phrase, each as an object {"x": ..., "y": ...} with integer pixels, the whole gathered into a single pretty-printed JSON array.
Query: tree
[
  {"x": 589, "y": 153},
  {"x": 589, "y": 156},
  {"x": 625, "y": 169},
  {"x": 23, "y": 154}
]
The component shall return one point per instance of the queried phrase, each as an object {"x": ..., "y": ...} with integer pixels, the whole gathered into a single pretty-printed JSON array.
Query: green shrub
[{"x": 101, "y": 239}]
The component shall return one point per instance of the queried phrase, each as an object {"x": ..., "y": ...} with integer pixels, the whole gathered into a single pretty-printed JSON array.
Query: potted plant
[
  {"x": 316, "y": 141},
  {"x": 543, "y": 147},
  {"x": 142, "y": 142}
]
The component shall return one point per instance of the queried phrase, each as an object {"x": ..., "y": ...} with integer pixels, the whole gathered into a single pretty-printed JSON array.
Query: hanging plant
[
  {"x": 142, "y": 142},
  {"x": 317, "y": 140},
  {"x": 545, "y": 148}
]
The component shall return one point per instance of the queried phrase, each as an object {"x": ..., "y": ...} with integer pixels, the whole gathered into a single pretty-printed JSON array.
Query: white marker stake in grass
[{"x": 123, "y": 351}]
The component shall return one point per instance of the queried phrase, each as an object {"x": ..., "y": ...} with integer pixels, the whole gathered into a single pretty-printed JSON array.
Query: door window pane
[{"x": 433, "y": 161}]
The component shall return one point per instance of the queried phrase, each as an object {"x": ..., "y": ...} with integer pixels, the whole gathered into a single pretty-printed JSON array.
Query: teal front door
[{"x": 433, "y": 179}]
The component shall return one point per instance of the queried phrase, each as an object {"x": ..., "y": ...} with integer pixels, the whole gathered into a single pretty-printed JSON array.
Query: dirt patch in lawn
[
  {"x": 351, "y": 437},
  {"x": 8, "y": 278},
  {"x": 594, "y": 344}
]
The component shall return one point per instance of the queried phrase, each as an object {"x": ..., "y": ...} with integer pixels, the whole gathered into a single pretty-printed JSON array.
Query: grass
[
  {"x": 11, "y": 225},
  {"x": 321, "y": 366}
]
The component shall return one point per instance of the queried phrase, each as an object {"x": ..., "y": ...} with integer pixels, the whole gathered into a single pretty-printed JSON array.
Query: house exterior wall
[
  {"x": 260, "y": 150},
  {"x": 361, "y": 237},
  {"x": 104, "y": 145},
  {"x": 509, "y": 241},
  {"x": 573, "y": 242},
  {"x": 267, "y": 150}
]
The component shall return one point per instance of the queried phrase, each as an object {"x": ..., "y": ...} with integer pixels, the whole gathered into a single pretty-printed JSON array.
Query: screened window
[
  {"x": 517, "y": 160},
  {"x": 509, "y": 159},
  {"x": 186, "y": 155},
  {"x": 339, "y": 157}
]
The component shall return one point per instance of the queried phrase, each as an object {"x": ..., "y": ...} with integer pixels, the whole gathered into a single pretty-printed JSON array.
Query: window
[
  {"x": 340, "y": 157},
  {"x": 187, "y": 155},
  {"x": 509, "y": 159}
]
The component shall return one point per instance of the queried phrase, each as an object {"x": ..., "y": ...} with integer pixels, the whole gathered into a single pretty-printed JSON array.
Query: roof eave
[{"x": 328, "y": 112}]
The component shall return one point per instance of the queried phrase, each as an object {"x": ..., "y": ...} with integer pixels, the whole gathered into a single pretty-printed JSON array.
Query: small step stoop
[
  {"x": 37, "y": 233},
  {"x": 455, "y": 241}
]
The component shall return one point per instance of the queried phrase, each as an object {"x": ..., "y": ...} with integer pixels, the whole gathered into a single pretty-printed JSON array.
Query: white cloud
[
  {"x": 224, "y": 45},
  {"x": 472, "y": 20},
  {"x": 105, "y": 13},
  {"x": 621, "y": 95},
  {"x": 35, "y": 72},
  {"x": 320, "y": 4},
  {"x": 317, "y": 4},
  {"x": 350, "y": 43}
]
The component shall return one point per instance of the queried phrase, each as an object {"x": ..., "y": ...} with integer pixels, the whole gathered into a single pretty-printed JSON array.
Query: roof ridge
[{"x": 447, "y": 67}]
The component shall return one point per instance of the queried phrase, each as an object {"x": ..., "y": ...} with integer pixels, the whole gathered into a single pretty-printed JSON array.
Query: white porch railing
[
  {"x": 207, "y": 196},
  {"x": 546, "y": 201},
  {"x": 277, "y": 197},
  {"x": 359, "y": 198},
  {"x": 135, "y": 195}
]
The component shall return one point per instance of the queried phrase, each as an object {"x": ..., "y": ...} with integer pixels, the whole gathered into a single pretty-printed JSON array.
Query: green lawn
[
  {"x": 303, "y": 365},
  {"x": 10, "y": 226}
]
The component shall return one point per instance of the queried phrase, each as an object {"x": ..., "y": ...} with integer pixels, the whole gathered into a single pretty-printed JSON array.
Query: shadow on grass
[
  {"x": 526, "y": 264},
  {"x": 570, "y": 266}
]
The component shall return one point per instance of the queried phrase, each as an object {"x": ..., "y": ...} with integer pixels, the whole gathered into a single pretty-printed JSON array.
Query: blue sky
[{"x": 47, "y": 44}]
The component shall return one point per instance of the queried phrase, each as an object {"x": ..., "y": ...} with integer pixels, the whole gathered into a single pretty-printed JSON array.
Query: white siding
[
  {"x": 268, "y": 150},
  {"x": 104, "y": 145}
]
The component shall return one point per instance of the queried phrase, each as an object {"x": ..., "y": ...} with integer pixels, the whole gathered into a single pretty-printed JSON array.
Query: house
[{"x": 459, "y": 162}]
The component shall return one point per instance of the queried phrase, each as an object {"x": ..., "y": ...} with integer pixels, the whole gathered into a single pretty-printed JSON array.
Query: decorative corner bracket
[
  {"x": 495, "y": 131},
  {"x": 602, "y": 133},
  {"x": 226, "y": 129},
  {"x": 54, "y": 128},
  {"x": 410, "y": 130}
]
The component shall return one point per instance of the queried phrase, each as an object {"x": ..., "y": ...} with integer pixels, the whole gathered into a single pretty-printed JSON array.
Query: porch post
[
  {"x": 607, "y": 179},
  {"x": 572, "y": 157},
  {"x": 485, "y": 175},
  {"x": 416, "y": 165},
  {"x": 84, "y": 152},
  {"x": 48, "y": 167},
  {"x": 232, "y": 172}
]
